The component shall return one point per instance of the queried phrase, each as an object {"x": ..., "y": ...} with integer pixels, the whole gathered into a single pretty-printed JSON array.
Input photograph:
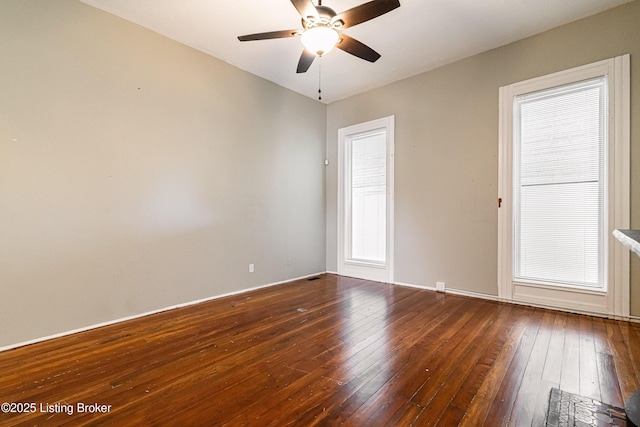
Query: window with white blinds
[
  {"x": 365, "y": 200},
  {"x": 559, "y": 194},
  {"x": 369, "y": 196},
  {"x": 564, "y": 187}
]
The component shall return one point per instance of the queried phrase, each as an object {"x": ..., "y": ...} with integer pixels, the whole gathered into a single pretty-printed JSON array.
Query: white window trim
[
  {"x": 615, "y": 301},
  {"x": 368, "y": 270}
]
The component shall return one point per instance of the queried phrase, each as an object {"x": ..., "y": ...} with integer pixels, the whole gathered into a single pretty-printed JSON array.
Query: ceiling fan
[{"x": 322, "y": 29}]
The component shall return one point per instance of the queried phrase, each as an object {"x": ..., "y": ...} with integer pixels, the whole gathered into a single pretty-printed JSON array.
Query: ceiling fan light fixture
[{"x": 320, "y": 40}]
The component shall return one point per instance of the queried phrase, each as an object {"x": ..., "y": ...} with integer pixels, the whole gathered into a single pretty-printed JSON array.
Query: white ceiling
[{"x": 418, "y": 36}]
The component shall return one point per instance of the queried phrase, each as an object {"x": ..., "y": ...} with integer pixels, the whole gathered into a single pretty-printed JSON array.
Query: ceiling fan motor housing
[{"x": 325, "y": 18}]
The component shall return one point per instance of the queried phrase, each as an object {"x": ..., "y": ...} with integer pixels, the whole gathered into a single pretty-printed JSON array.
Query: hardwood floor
[{"x": 333, "y": 351}]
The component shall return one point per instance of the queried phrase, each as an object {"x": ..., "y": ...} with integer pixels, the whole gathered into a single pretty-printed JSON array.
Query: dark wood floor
[{"x": 334, "y": 351}]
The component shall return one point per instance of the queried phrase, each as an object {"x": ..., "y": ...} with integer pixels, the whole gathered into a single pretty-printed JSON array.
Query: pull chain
[
  {"x": 320, "y": 69},
  {"x": 320, "y": 78}
]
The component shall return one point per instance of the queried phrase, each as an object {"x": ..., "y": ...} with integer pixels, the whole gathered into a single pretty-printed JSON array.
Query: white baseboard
[
  {"x": 451, "y": 291},
  {"x": 411, "y": 285},
  {"x": 147, "y": 313},
  {"x": 472, "y": 294}
]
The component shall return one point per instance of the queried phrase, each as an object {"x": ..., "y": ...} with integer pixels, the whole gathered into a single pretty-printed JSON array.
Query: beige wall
[
  {"x": 446, "y": 163},
  {"x": 137, "y": 173}
]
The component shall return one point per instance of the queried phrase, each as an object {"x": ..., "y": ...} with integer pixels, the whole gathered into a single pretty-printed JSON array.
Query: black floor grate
[{"x": 569, "y": 410}]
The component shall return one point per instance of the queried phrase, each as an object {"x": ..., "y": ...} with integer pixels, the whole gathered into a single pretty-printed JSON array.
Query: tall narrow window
[
  {"x": 365, "y": 200},
  {"x": 560, "y": 219}
]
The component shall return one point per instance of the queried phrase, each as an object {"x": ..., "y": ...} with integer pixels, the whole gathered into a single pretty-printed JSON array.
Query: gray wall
[
  {"x": 137, "y": 173},
  {"x": 446, "y": 163}
]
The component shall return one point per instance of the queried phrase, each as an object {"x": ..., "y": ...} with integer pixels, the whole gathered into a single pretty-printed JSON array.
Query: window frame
[
  {"x": 614, "y": 300},
  {"x": 383, "y": 272}
]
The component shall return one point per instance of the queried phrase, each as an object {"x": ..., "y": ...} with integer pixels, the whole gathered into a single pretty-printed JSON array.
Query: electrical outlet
[
  {"x": 440, "y": 286},
  {"x": 251, "y": 268}
]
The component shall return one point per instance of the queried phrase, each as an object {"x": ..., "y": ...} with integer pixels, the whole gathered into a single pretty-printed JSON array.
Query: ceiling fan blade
[
  {"x": 366, "y": 11},
  {"x": 356, "y": 48},
  {"x": 270, "y": 35},
  {"x": 305, "y": 8},
  {"x": 306, "y": 59}
]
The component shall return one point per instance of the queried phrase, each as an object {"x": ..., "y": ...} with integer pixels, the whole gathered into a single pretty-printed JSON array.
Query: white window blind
[
  {"x": 369, "y": 195},
  {"x": 559, "y": 185}
]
